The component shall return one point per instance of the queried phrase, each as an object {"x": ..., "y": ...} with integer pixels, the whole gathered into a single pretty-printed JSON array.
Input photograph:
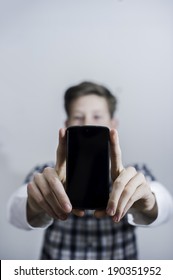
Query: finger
[
  {"x": 79, "y": 213},
  {"x": 118, "y": 187},
  {"x": 100, "y": 214},
  {"x": 128, "y": 192},
  {"x": 61, "y": 153},
  {"x": 116, "y": 158},
  {"x": 37, "y": 201},
  {"x": 49, "y": 196},
  {"x": 138, "y": 194},
  {"x": 58, "y": 189}
]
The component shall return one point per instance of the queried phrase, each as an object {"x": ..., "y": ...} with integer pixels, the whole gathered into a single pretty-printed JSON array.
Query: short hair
[{"x": 88, "y": 88}]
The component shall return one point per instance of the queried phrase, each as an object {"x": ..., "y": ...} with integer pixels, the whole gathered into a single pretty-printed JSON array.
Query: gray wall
[{"x": 45, "y": 46}]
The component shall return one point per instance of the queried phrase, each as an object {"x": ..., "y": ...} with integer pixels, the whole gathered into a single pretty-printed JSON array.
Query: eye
[
  {"x": 97, "y": 117},
  {"x": 77, "y": 117}
]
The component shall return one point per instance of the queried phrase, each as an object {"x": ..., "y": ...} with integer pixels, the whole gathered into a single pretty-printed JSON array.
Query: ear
[{"x": 114, "y": 123}]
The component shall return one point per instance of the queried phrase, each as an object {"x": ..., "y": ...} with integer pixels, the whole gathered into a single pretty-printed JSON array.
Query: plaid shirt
[{"x": 88, "y": 237}]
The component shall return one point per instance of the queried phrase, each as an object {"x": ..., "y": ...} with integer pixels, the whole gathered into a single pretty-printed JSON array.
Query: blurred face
[{"x": 90, "y": 110}]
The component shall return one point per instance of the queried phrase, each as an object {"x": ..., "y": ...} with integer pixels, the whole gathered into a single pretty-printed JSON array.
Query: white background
[{"x": 46, "y": 46}]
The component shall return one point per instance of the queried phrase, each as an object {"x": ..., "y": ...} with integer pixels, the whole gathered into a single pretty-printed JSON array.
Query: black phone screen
[{"x": 87, "y": 166}]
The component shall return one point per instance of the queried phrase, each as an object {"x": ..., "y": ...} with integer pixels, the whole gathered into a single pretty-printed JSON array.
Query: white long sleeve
[
  {"x": 165, "y": 208},
  {"x": 16, "y": 209}
]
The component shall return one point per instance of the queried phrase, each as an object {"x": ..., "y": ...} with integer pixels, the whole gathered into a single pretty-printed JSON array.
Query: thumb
[
  {"x": 61, "y": 153},
  {"x": 116, "y": 157}
]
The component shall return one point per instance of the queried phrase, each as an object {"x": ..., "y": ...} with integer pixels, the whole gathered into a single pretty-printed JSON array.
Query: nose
[{"x": 87, "y": 121}]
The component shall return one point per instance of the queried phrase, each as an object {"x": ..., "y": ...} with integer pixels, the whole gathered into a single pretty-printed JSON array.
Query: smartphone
[{"x": 87, "y": 166}]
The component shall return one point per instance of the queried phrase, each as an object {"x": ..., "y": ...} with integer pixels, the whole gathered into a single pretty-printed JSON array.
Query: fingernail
[
  {"x": 110, "y": 211},
  {"x": 63, "y": 217},
  {"x": 67, "y": 207},
  {"x": 116, "y": 218}
]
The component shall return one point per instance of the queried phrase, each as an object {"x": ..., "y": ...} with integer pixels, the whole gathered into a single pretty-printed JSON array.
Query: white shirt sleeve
[
  {"x": 165, "y": 208},
  {"x": 16, "y": 211}
]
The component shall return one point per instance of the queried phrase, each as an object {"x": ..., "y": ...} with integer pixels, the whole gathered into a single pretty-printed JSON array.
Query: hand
[
  {"x": 46, "y": 193},
  {"x": 129, "y": 189}
]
